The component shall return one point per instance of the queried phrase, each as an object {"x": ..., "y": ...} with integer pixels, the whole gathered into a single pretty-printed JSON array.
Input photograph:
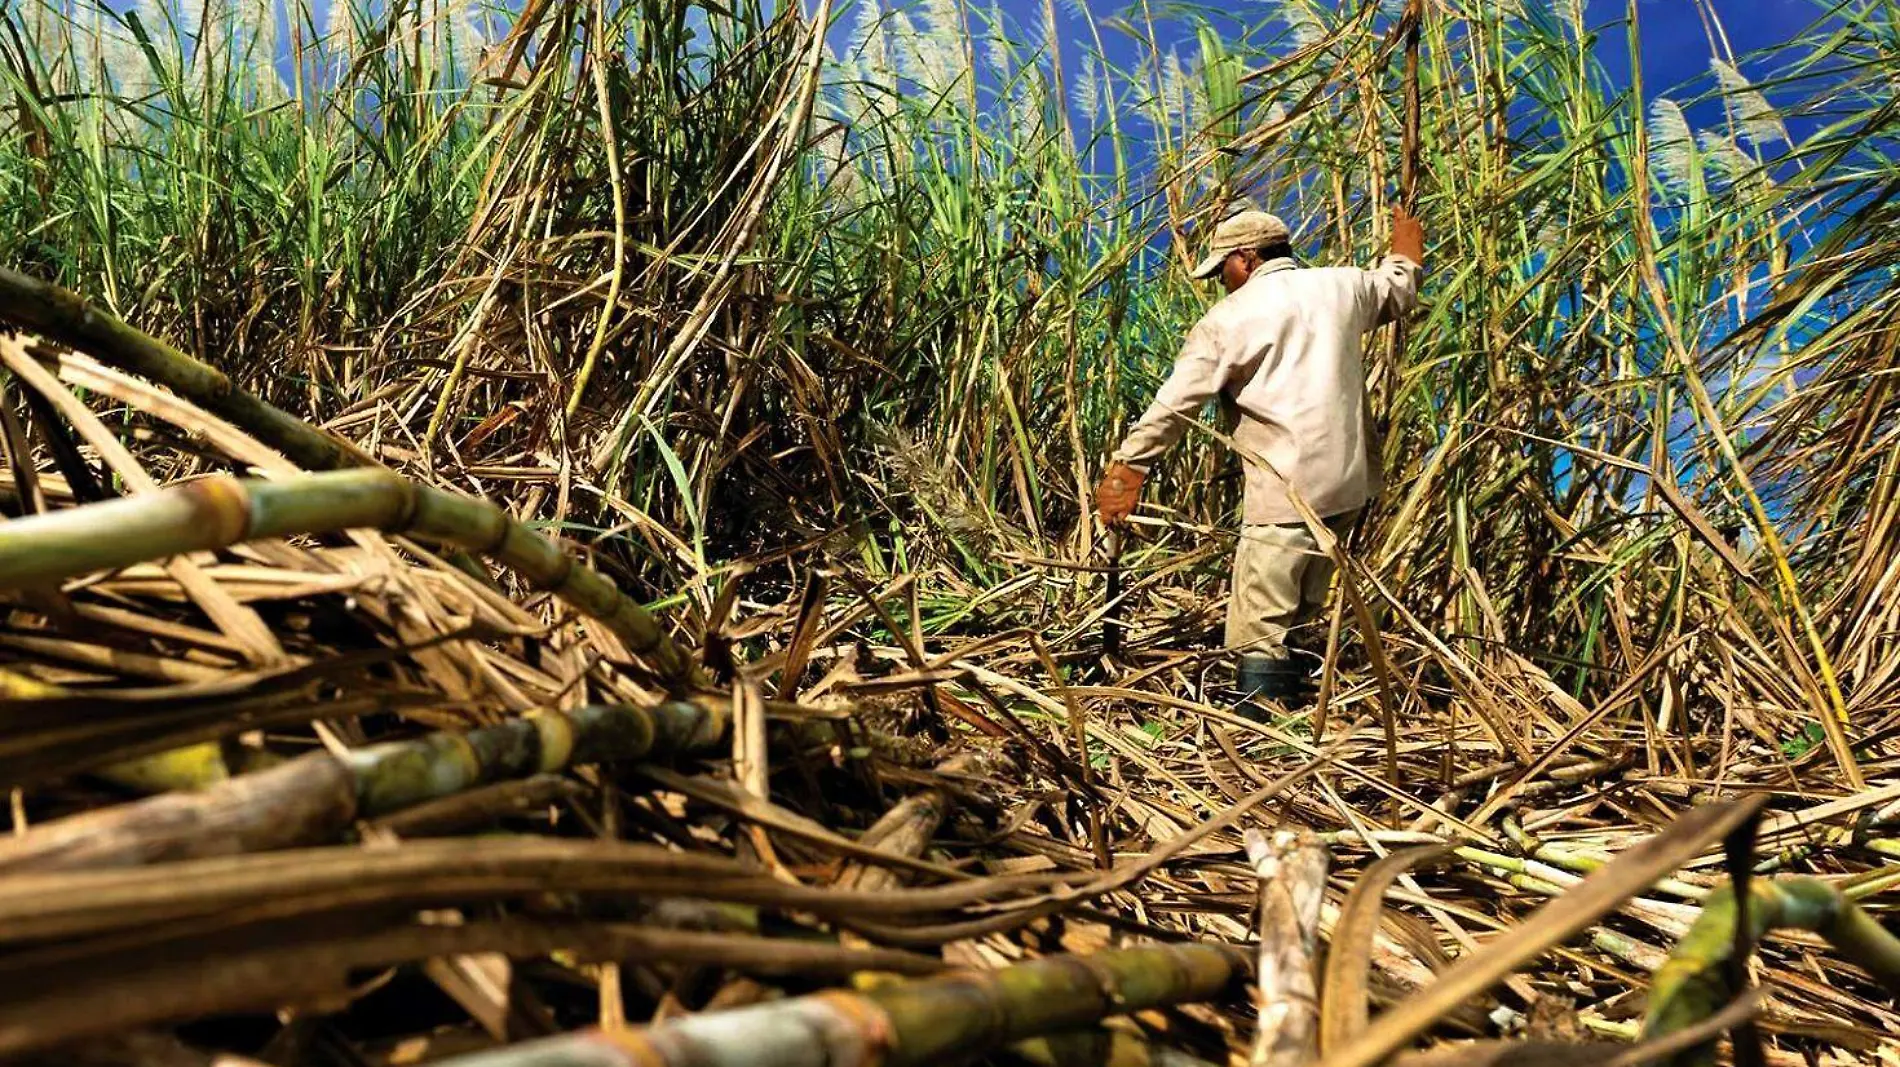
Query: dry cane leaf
[{"x": 1629, "y": 874}]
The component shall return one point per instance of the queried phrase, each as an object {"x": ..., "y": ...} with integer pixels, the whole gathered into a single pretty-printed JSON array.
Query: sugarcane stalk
[
  {"x": 218, "y": 512},
  {"x": 68, "y": 318},
  {"x": 1548, "y": 865},
  {"x": 302, "y": 965},
  {"x": 1694, "y": 983},
  {"x": 1292, "y": 870},
  {"x": 196, "y": 766},
  {"x": 451, "y": 815},
  {"x": 313, "y": 798},
  {"x": 911, "y": 1024},
  {"x": 908, "y": 827},
  {"x": 391, "y": 777}
]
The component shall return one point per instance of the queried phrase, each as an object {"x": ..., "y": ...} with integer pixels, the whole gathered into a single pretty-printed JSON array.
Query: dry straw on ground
[
  {"x": 624, "y": 557},
  {"x": 323, "y": 713}
]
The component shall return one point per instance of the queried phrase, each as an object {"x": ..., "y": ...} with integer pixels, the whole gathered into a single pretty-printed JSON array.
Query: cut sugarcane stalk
[
  {"x": 216, "y": 513},
  {"x": 313, "y": 798},
  {"x": 1292, "y": 869},
  {"x": 909, "y": 1024},
  {"x": 68, "y": 318}
]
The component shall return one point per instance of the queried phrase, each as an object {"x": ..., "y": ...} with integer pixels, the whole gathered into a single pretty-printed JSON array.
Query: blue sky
[
  {"x": 1678, "y": 41},
  {"x": 1677, "y": 38}
]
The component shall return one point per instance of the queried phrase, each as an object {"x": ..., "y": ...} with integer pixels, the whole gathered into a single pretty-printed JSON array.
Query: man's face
[{"x": 1237, "y": 268}]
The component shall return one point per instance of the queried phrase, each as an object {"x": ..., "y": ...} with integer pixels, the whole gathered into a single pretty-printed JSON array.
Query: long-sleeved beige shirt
[{"x": 1284, "y": 353}]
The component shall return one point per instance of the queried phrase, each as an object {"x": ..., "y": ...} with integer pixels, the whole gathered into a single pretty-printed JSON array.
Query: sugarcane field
[{"x": 901, "y": 533}]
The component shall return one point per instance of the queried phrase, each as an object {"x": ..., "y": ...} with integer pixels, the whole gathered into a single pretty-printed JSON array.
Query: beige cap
[{"x": 1245, "y": 229}]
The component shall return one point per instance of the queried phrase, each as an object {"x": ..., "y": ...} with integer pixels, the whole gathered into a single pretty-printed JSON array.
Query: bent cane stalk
[
  {"x": 68, "y": 318},
  {"x": 313, "y": 798},
  {"x": 909, "y": 1024},
  {"x": 215, "y": 513},
  {"x": 71, "y": 320},
  {"x": 1693, "y": 983}
]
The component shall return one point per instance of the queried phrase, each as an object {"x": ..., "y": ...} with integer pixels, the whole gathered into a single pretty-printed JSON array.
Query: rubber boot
[{"x": 1258, "y": 676}]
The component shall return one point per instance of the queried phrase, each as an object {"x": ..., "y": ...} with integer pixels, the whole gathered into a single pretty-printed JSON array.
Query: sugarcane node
[
  {"x": 543, "y": 563},
  {"x": 223, "y": 504},
  {"x": 410, "y": 496},
  {"x": 556, "y": 733},
  {"x": 866, "y": 1021},
  {"x": 710, "y": 715},
  {"x": 401, "y": 774},
  {"x": 492, "y": 545},
  {"x": 1105, "y": 979},
  {"x": 510, "y": 749}
]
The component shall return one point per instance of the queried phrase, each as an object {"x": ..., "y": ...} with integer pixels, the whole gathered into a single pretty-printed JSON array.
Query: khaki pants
[{"x": 1280, "y": 581}]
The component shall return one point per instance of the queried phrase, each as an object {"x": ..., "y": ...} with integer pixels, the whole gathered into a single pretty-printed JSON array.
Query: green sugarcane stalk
[
  {"x": 313, "y": 798},
  {"x": 1549, "y": 864},
  {"x": 218, "y": 512},
  {"x": 1693, "y": 983},
  {"x": 401, "y": 774},
  {"x": 1558, "y": 868},
  {"x": 908, "y": 1024},
  {"x": 67, "y": 317}
]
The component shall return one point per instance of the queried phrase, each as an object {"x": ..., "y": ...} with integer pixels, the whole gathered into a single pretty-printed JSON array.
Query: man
[{"x": 1283, "y": 348}]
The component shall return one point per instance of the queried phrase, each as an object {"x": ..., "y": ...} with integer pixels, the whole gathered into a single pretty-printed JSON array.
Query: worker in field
[{"x": 1283, "y": 352}]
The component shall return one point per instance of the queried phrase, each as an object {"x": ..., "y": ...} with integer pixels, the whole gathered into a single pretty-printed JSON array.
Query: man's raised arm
[{"x": 1393, "y": 284}]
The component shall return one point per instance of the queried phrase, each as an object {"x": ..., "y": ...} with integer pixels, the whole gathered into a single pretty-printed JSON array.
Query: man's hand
[
  {"x": 1118, "y": 492},
  {"x": 1408, "y": 236}
]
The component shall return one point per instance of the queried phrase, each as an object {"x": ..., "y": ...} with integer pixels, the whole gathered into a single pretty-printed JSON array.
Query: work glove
[
  {"x": 1408, "y": 236},
  {"x": 1118, "y": 492}
]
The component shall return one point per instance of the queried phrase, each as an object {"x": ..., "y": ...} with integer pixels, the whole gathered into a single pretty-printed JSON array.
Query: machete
[{"x": 1112, "y": 611}]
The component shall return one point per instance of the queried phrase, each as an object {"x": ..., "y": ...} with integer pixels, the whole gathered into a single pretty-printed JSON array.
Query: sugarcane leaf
[
  {"x": 683, "y": 483},
  {"x": 1344, "y": 996},
  {"x": 1629, "y": 874}
]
